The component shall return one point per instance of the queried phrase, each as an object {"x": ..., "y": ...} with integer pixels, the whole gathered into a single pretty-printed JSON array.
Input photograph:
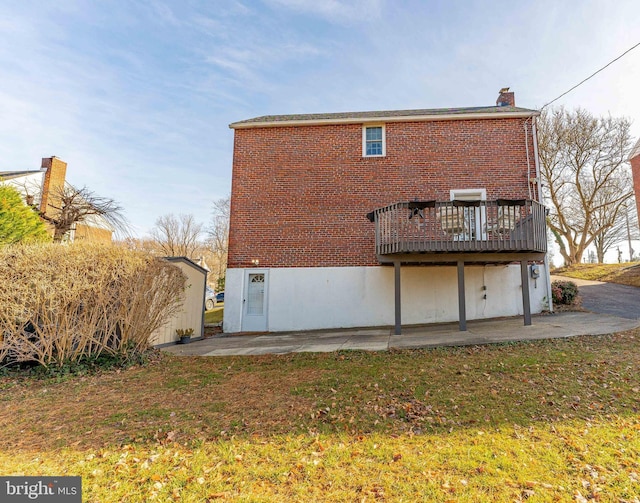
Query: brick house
[
  {"x": 42, "y": 188},
  {"x": 634, "y": 159},
  {"x": 334, "y": 218}
]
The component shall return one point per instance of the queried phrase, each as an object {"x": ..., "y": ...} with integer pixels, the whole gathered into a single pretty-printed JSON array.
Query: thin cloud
[
  {"x": 163, "y": 13},
  {"x": 334, "y": 11},
  {"x": 251, "y": 66}
]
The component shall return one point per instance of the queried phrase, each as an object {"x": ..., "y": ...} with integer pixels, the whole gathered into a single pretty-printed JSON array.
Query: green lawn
[
  {"x": 215, "y": 314},
  {"x": 542, "y": 421},
  {"x": 624, "y": 274}
]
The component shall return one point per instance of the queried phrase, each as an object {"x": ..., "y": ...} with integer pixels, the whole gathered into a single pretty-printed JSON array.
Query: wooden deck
[
  {"x": 460, "y": 227},
  {"x": 461, "y": 233}
]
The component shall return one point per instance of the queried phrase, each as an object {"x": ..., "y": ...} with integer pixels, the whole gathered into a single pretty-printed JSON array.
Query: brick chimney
[
  {"x": 53, "y": 183},
  {"x": 506, "y": 99}
]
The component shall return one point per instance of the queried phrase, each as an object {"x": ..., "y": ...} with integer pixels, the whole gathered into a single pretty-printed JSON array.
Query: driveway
[{"x": 608, "y": 298}]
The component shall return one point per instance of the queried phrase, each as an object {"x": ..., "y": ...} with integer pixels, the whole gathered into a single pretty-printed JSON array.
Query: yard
[
  {"x": 554, "y": 420},
  {"x": 214, "y": 315},
  {"x": 623, "y": 274}
]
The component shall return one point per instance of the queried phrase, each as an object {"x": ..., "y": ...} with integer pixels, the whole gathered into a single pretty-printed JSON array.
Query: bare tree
[
  {"x": 146, "y": 245},
  {"x": 622, "y": 226},
  {"x": 584, "y": 167},
  {"x": 70, "y": 206},
  {"x": 218, "y": 235},
  {"x": 177, "y": 236}
]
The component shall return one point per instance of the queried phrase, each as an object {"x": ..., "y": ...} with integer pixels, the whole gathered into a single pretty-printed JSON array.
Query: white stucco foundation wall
[{"x": 341, "y": 297}]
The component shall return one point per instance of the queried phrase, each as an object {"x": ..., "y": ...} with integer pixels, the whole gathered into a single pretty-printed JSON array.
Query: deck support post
[
  {"x": 526, "y": 300},
  {"x": 462, "y": 308},
  {"x": 398, "y": 315}
]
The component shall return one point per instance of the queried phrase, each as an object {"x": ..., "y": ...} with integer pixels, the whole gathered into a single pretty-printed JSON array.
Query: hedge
[{"x": 65, "y": 302}]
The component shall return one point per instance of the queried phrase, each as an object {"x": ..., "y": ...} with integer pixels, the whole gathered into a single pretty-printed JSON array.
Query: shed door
[{"x": 254, "y": 317}]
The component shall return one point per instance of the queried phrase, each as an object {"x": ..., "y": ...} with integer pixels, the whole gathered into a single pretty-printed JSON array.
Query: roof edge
[
  {"x": 20, "y": 173},
  {"x": 187, "y": 261},
  {"x": 374, "y": 119}
]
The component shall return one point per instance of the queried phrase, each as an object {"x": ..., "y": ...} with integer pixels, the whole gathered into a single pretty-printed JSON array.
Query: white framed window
[
  {"x": 468, "y": 194},
  {"x": 373, "y": 141}
]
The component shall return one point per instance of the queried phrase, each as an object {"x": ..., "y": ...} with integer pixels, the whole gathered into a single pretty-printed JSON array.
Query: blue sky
[{"x": 137, "y": 95}]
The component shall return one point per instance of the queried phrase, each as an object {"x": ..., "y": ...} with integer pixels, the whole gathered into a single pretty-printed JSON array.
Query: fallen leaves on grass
[{"x": 539, "y": 421}]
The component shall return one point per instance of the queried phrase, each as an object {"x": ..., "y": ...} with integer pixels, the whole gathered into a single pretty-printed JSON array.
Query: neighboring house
[
  {"x": 41, "y": 189},
  {"x": 634, "y": 158},
  {"x": 335, "y": 216}
]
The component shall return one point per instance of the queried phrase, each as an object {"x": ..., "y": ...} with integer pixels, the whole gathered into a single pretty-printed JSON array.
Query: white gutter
[{"x": 397, "y": 118}]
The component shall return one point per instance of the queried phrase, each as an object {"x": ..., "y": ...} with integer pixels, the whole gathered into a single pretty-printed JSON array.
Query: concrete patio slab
[
  {"x": 368, "y": 344},
  {"x": 317, "y": 348},
  {"x": 567, "y": 324}
]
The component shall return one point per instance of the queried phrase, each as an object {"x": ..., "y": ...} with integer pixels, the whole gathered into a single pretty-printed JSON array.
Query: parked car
[
  {"x": 209, "y": 299},
  {"x": 220, "y": 297}
]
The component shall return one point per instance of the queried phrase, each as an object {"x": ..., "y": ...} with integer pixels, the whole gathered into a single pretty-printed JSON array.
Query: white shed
[{"x": 192, "y": 313}]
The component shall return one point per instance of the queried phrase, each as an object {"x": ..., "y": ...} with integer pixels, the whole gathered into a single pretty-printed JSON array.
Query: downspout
[
  {"x": 534, "y": 131},
  {"x": 535, "y": 157},
  {"x": 526, "y": 145}
]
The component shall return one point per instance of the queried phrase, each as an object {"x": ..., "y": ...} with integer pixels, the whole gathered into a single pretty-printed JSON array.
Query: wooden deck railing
[{"x": 460, "y": 226}]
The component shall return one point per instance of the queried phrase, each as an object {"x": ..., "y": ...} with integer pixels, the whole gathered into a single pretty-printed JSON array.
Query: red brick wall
[
  {"x": 635, "y": 170},
  {"x": 300, "y": 194}
]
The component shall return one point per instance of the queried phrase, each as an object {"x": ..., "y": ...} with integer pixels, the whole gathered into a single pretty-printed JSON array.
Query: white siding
[
  {"x": 341, "y": 297},
  {"x": 30, "y": 184}
]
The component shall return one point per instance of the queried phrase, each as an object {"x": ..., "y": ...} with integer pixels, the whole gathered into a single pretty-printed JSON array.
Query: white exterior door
[
  {"x": 254, "y": 308},
  {"x": 476, "y": 217}
]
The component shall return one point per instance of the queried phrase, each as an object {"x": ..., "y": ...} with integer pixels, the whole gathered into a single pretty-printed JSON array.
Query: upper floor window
[{"x": 373, "y": 141}]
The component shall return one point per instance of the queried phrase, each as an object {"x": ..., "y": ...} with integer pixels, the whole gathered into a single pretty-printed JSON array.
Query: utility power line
[{"x": 590, "y": 76}]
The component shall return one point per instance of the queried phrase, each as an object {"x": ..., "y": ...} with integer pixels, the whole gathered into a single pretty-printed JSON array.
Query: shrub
[
  {"x": 18, "y": 222},
  {"x": 64, "y": 303},
  {"x": 564, "y": 292}
]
